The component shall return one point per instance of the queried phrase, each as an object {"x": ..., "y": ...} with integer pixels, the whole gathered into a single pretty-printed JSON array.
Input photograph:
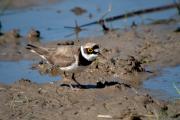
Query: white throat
[{"x": 90, "y": 57}]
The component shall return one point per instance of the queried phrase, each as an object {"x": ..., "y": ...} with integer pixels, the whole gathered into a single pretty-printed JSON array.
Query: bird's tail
[{"x": 42, "y": 52}]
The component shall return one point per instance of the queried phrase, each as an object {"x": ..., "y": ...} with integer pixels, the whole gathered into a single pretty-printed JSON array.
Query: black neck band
[{"x": 83, "y": 61}]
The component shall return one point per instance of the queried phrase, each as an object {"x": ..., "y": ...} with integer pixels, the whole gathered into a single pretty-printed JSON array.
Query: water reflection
[
  {"x": 162, "y": 86},
  {"x": 13, "y": 71}
]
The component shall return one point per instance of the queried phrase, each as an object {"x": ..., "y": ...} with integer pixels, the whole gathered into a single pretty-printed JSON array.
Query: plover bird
[{"x": 68, "y": 58}]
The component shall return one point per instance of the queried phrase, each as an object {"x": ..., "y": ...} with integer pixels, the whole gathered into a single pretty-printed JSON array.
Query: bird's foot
[
  {"x": 77, "y": 87},
  {"x": 74, "y": 88},
  {"x": 68, "y": 83}
]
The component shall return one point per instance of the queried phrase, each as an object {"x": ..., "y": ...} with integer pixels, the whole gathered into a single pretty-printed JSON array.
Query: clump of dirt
[
  {"x": 66, "y": 43},
  {"x": 34, "y": 35},
  {"x": 10, "y": 37},
  {"x": 78, "y": 11}
]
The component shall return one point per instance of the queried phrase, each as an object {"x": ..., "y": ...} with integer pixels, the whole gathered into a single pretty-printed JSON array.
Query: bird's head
[{"x": 90, "y": 51}]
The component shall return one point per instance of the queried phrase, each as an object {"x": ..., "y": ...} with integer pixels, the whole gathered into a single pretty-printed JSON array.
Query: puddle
[
  {"x": 13, "y": 71},
  {"x": 50, "y": 19},
  {"x": 163, "y": 86}
]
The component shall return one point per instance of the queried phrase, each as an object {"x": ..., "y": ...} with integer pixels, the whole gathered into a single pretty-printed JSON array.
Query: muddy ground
[{"x": 112, "y": 84}]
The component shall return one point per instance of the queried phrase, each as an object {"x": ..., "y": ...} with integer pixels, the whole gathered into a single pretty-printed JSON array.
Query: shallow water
[
  {"x": 162, "y": 86},
  {"x": 13, "y": 71},
  {"x": 51, "y": 19}
]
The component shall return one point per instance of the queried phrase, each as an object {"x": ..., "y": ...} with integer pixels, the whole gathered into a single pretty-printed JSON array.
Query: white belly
[{"x": 73, "y": 67}]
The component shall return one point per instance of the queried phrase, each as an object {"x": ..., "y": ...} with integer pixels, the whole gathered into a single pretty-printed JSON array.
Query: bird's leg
[
  {"x": 66, "y": 79},
  {"x": 64, "y": 74},
  {"x": 74, "y": 79}
]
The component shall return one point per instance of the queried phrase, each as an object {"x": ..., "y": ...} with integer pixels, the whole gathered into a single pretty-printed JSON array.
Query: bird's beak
[{"x": 100, "y": 55}]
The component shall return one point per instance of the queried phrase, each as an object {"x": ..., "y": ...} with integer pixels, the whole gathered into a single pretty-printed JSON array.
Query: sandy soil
[{"x": 112, "y": 83}]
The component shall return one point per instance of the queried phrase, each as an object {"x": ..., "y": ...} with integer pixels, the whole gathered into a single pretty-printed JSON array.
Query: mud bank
[{"x": 131, "y": 56}]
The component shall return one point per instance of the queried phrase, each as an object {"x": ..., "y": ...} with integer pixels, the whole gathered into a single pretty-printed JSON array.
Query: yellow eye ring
[{"x": 90, "y": 50}]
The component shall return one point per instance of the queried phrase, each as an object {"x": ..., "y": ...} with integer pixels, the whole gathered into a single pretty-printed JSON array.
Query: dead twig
[{"x": 135, "y": 13}]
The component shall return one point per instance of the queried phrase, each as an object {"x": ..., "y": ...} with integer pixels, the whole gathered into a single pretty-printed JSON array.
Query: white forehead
[{"x": 89, "y": 45}]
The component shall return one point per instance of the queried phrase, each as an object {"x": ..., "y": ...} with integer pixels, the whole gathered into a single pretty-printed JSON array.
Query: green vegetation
[{"x": 177, "y": 89}]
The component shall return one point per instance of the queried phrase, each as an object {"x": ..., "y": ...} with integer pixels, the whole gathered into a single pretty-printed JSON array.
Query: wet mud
[{"x": 111, "y": 84}]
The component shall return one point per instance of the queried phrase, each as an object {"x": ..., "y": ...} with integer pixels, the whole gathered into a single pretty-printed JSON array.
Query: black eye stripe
[{"x": 95, "y": 47}]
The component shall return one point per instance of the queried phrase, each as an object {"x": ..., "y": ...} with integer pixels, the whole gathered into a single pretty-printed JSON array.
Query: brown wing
[{"x": 63, "y": 56}]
